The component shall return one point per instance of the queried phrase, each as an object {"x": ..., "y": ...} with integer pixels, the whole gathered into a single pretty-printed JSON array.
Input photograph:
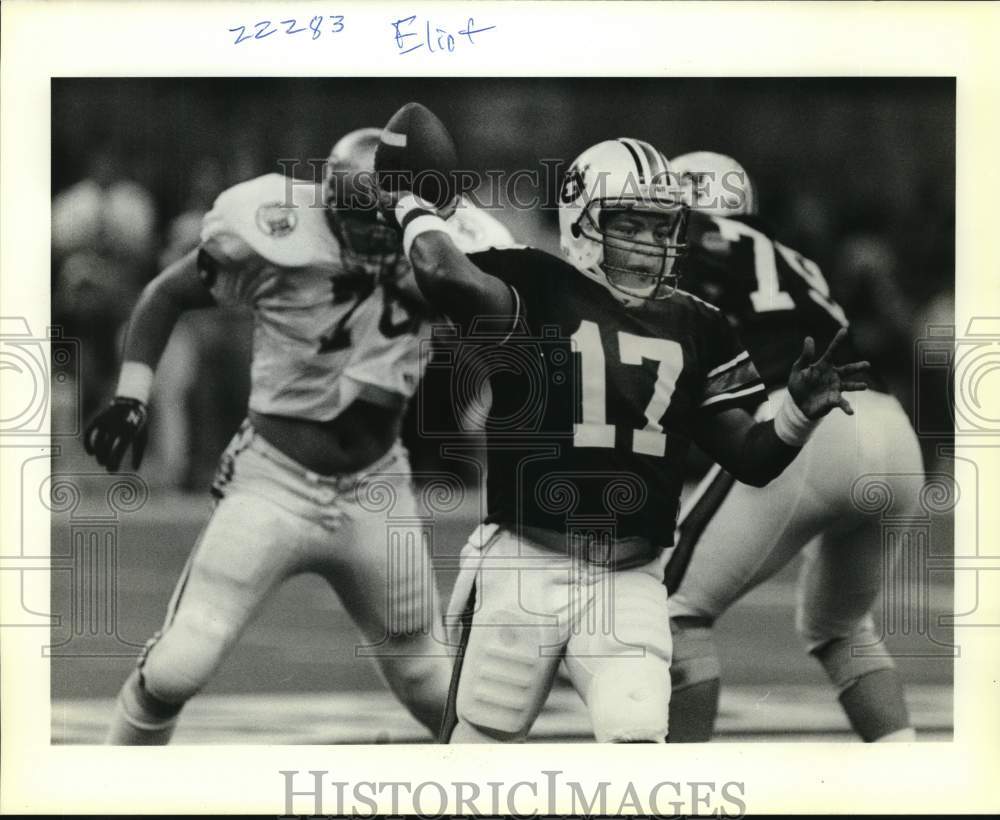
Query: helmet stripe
[
  {"x": 664, "y": 161},
  {"x": 655, "y": 168},
  {"x": 635, "y": 157}
]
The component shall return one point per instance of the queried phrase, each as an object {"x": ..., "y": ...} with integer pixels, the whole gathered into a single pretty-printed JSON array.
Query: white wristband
[
  {"x": 416, "y": 216},
  {"x": 419, "y": 225},
  {"x": 135, "y": 381},
  {"x": 410, "y": 202},
  {"x": 791, "y": 425}
]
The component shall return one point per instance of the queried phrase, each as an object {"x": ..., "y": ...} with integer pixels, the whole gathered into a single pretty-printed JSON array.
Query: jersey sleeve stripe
[
  {"x": 737, "y": 394},
  {"x": 722, "y": 368},
  {"x": 735, "y": 378}
]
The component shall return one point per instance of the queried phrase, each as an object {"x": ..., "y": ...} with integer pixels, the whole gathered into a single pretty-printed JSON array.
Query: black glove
[{"x": 108, "y": 436}]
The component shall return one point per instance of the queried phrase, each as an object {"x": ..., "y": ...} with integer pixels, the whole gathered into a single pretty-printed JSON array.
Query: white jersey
[
  {"x": 320, "y": 335},
  {"x": 472, "y": 229}
]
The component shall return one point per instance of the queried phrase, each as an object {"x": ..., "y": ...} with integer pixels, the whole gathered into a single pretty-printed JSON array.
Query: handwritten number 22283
[{"x": 264, "y": 28}]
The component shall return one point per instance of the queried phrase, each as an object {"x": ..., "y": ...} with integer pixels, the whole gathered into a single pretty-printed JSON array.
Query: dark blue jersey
[
  {"x": 595, "y": 404},
  {"x": 771, "y": 293}
]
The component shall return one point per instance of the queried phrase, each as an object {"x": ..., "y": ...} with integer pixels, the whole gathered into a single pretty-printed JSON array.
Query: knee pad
[
  {"x": 505, "y": 678},
  {"x": 629, "y": 701},
  {"x": 843, "y": 667},
  {"x": 696, "y": 659},
  {"x": 143, "y": 709},
  {"x": 639, "y": 620},
  {"x": 177, "y": 665},
  {"x": 624, "y": 672}
]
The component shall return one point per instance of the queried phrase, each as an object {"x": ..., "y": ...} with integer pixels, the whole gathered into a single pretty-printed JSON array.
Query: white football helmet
[
  {"x": 717, "y": 184},
  {"x": 368, "y": 243},
  {"x": 615, "y": 176}
]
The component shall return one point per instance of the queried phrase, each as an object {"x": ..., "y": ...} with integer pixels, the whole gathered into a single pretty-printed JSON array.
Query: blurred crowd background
[{"x": 857, "y": 174}]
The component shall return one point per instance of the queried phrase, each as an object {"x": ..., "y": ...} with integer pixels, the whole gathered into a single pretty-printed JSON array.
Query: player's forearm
[
  {"x": 437, "y": 267},
  {"x": 160, "y": 305},
  {"x": 151, "y": 324},
  {"x": 763, "y": 456},
  {"x": 453, "y": 285}
]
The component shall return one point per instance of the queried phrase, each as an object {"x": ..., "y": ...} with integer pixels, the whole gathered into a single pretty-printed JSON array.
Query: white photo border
[{"x": 61, "y": 39}]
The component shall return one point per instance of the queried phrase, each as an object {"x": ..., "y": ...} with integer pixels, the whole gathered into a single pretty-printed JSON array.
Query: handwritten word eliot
[{"x": 411, "y": 35}]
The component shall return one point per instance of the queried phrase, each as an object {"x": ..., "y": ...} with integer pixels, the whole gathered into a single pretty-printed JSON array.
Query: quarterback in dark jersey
[
  {"x": 584, "y": 452},
  {"x": 622, "y": 393},
  {"x": 733, "y": 537}
]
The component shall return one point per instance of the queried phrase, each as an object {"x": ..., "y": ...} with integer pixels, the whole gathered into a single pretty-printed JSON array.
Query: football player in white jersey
[
  {"x": 336, "y": 355},
  {"x": 732, "y": 536}
]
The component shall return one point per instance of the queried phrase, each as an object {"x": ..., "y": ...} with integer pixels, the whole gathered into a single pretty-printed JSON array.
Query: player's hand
[
  {"x": 387, "y": 201},
  {"x": 819, "y": 386},
  {"x": 109, "y": 434}
]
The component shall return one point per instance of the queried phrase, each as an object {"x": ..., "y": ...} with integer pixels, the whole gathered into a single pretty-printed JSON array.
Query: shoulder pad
[
  {"x": 278, "y": 218},
  {"x": 697, "y": 299},
  {"x": 473, "y": 229},
  {"x": 515, "y": 251},
  {"x": 521, "y": 263}
]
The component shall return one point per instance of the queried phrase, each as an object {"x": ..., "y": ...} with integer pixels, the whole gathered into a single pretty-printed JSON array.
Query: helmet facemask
[
  {"x": 369, "y": 245},
  {"x": 642, "y": 243}
]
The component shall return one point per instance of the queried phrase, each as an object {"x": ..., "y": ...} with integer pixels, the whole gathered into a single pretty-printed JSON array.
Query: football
[{"x": 416, "y": 153}]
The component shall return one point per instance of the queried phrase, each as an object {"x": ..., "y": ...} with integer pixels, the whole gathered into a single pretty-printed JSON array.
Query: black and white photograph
[
  {"x": 667, "y": 377},
  {"x": 464, "y": 408}
]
